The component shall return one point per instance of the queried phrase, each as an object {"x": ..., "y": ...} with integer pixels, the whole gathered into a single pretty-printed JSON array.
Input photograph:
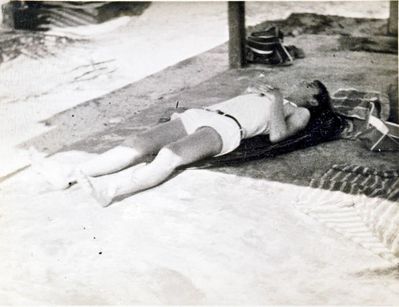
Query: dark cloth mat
[{"x": 327, "y": 127}]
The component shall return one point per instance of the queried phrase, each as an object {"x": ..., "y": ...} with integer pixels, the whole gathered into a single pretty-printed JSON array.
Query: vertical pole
[
  {"x": 393, "y": 18},
  {"x": 393, "y": 90},
  {"x": 8, "y": 14},
  {"x": 236, "y": 18},
  {"x": 393, "y": 103}
]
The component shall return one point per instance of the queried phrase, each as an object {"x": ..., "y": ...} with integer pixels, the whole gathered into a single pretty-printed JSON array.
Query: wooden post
[
  {"x": 393, "y": 18},
  {"x": 393, "y": 89},
  {"x": 393, "y": 103},
  {"x": 236, "y": 18}
]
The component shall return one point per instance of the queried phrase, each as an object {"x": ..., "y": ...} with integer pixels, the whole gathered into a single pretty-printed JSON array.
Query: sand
[
  {"x": 192, "y": 240},
  {"x": 119, "y": 52},
  {"x": 197, "y": 239}
]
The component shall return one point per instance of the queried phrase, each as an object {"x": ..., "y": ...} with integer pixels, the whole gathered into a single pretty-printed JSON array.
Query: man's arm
[{"x": 285, "y": 121}]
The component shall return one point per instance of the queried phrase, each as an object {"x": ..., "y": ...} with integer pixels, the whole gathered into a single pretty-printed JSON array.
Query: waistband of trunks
[{"x": 229, "y": 116}]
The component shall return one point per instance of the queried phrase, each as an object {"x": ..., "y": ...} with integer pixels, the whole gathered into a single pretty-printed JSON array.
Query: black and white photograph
[{"x": 199, "y": 153}]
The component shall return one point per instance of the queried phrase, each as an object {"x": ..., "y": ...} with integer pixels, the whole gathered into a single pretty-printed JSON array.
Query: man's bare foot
[
  {"x": 102, "y": 192},
  {"x": 60, "y": 176}
]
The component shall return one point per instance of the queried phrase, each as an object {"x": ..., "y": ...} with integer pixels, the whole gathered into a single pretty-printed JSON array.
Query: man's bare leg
[
  {"x": 204, "y": 143},
  {"x": 129, "y": 153}
]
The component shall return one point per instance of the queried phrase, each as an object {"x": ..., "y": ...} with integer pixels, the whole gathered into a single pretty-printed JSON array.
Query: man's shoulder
[
  {"x": 302, "y": 111},
  {"x": 302, "y": 116}
]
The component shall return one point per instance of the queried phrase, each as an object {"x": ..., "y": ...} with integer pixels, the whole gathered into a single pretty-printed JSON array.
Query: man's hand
[
  {"x": 261, "y": 86},
  {"x": 273, "y": 93}
]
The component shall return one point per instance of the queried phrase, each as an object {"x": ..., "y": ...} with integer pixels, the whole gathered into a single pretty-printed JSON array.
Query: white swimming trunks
[{"x": 226, "y": 127}]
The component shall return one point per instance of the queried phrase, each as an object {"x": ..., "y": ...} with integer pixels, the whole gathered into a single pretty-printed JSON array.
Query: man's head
[{"x": 312, "y": 95}]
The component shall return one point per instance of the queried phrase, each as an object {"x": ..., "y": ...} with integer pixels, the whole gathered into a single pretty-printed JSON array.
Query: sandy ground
[
  {"x": 119, "y": 52},
  {"x": 180, "y": 243},
  {"x": 197, "y": 239}
]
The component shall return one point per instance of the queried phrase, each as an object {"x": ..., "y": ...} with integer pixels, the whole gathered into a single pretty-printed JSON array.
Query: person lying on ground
[{"x": 191, "y": 136}]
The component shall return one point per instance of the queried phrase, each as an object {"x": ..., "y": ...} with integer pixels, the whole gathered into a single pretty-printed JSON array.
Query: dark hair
[
  {"x": 323, "y": 118},
  {"x": 324, "y": 122},
  {"x": 323, "y": 99}
]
